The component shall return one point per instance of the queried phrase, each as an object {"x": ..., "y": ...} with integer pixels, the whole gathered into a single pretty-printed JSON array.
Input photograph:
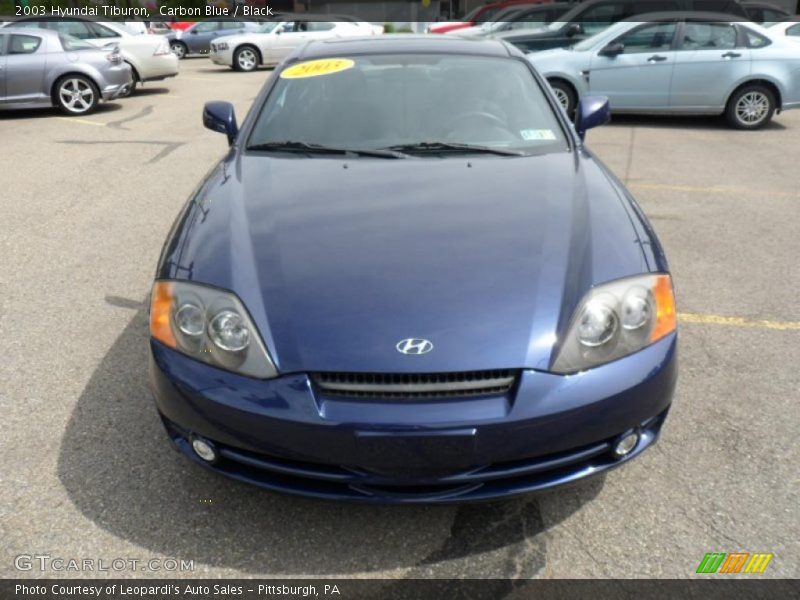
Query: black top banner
[{"x": 197, "y": 10}]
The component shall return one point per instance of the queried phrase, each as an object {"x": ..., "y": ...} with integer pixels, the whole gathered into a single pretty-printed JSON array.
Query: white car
[
  {"x": 149, "y": 56},
  {"x": 276, "y": 39},
  {"x": 788, "y": 29},
  {"x": 689, "y": 63}
]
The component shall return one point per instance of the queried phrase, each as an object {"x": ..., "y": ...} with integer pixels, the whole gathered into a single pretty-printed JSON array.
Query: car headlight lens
[
  {"x": 598, "y": 324},
  {"x": 221, "y": 45},
  {"x": 229, "y": 331},
  {"x": 190, "y": 319},
  {"x": 637, "y": 308},
  {"x": 210, "y": 325},
  {"x": 617, "y": 319}
]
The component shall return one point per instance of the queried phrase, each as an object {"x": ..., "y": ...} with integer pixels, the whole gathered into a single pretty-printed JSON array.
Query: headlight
[
  {"x": 220, "y": 45},
  {"x": 616, "y": 319},
  {"x": 209, "y": 325}
]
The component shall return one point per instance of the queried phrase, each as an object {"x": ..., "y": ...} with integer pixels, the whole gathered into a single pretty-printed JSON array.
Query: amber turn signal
[
  {"x": 666, "y": 318},
  {"x": 160, "y": 307}
]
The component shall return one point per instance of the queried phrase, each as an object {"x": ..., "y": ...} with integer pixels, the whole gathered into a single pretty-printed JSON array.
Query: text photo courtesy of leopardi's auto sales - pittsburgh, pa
[{"x": 399, "y": 299}]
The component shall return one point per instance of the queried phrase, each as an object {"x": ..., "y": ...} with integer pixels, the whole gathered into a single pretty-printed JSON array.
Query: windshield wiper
[
  {"x": 310, "y": 148},
  {"x": 437, "y": 147}
]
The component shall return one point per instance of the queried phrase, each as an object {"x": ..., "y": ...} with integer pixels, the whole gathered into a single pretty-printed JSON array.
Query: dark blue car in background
[{"x": 410, "y": 281}]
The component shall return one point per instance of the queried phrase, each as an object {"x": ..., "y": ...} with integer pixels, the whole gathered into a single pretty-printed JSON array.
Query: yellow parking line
[
  {"x": 80, "y": 121},
  {"x": 712, "y": 190},
  {"x": 738, "y": 322}
]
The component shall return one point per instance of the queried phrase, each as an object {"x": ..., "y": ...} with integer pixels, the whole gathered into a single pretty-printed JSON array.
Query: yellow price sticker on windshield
[{"x": 314, "y": 68}]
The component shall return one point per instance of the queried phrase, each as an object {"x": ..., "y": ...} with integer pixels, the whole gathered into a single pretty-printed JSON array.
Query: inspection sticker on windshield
[
  {"x": 537, "y": 134},
  {"x": 313, "y": 68}
]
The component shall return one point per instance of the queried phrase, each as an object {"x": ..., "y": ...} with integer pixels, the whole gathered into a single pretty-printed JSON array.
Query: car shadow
[
  {"x": 144, "y": 90},
  {"x": 697, "y": 122},
  {"x": 121, "y": 473},
  {"x": 221, "y": 69},
  {"x": 43, "y": 113}
]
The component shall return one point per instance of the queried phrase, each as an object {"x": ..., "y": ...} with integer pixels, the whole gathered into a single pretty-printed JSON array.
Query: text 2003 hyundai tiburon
[{"x": 409, "y": 281}]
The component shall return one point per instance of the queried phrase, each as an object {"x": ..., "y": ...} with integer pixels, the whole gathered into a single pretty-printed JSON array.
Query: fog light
[
  {"x": 625, "y": 444},
  {"x": 204, "y": 449}
]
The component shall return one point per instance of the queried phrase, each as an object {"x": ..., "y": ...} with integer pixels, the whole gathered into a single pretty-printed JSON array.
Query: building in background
[{"x": 383, "y": 11}]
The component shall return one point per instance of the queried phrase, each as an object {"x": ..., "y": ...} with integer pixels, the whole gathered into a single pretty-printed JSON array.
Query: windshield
[
  {"x": 387, "y": 101},
  {"x": 470, "y": 16},
  {"x": 269, "y": 27},
  {"x": 118, "y": 28},
  {"x": 73, "y": 44},
  {"x": 590, "y": 42},
  {"x": 486, "y": 15}
]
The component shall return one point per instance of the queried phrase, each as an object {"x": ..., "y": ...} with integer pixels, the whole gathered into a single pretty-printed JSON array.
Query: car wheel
[
  {"x": 751, "y": 107},
  {"x": 565, "y": 95},
  {"x": 179, "y": 49},
  {"x": 245, "y": 59},
  {"x": 76, "y": 95}
]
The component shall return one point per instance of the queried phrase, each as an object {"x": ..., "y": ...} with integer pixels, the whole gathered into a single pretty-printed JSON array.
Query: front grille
[{"x": 416, "y": 385}]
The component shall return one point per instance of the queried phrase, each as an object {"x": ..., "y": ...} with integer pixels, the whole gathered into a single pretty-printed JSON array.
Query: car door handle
[
  {"x": 656, "y": 58},
  {"x": 731, "y": 55}
]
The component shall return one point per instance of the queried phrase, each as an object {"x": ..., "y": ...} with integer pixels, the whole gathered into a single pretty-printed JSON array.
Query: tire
[
  {"x": 245, "y": 59},
  {"x": 179, "y": 49},
  {"x": 751, "y": 107},
  {"x": 76, "y": 95},
  {"x": 565, "y": 95}
]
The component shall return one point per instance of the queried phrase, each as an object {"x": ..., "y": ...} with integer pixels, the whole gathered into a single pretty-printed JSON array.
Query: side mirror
[
  {"x": 592, "y": 111},
  {"x": 574, "y": 29},
  {"x": 612, "y": 50},
  {"x": 220, "y": 117}
]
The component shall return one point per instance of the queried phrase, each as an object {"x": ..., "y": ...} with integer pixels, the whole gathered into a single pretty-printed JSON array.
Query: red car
[
  {"x": 181, "y": 25},
  {"x": 481, "y": 14}
]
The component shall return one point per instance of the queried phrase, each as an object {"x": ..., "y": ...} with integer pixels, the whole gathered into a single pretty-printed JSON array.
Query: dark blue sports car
[{"x": 410, "y": 281}]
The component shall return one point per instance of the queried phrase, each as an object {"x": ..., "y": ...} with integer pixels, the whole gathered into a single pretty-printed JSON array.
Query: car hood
[
  {"x": 240, "y": 38},
  {"x": 337, "y": 261},
  {"x": 557, "y": 59}
]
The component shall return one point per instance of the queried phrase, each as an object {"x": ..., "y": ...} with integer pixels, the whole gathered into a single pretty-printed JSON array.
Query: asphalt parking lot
[{"x": 88, "y": 471}]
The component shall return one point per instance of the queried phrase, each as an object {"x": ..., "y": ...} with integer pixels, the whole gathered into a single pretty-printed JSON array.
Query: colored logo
[{"x": 734, "y": 562}]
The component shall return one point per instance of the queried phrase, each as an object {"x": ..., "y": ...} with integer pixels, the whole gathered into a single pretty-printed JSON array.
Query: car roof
[
  {"x": 685, "y": 15},
  {"x": 37, "y": 31},
  {"x": 405, "y": 44},
  {"x": 279, "y": 16},
  {"x": 752, "y": 4}
]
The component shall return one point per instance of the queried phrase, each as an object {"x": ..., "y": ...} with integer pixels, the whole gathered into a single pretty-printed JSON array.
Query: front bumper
[
  {"x": 221, "y": 57},
  {"x": 284, "y": 435}
]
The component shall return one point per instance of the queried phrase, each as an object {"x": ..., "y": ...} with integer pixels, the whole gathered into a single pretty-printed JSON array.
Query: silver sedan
[
  {"x": 681, "y": 64},
  {"x": 42, "y": 68}
]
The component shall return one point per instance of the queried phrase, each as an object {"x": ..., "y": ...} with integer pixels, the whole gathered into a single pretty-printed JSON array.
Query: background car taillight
[
  {"x": 114, "y": 57},
  {"x": 163, "y": 48}
]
